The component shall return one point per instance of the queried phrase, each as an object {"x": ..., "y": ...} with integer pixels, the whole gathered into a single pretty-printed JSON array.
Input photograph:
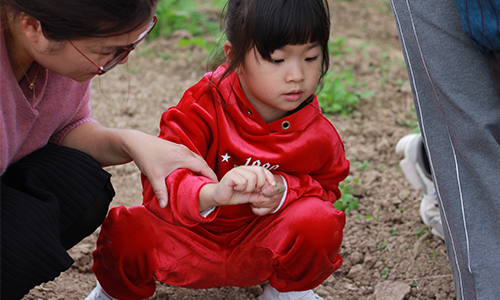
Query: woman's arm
[{"x": 154, "y": 157}]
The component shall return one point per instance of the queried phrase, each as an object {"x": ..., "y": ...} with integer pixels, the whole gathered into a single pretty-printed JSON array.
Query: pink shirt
[{"x": 27, "y": 124}]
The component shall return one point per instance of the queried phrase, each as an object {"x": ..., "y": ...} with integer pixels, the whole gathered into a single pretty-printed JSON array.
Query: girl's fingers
[{"x": 271, "y": 191}]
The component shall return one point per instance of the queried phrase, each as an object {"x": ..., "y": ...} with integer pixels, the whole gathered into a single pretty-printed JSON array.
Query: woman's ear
[{"x": 32, "y": 29}]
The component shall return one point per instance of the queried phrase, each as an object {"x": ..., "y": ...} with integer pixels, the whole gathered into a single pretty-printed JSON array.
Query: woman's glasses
[{"x": 121, "y": 54}]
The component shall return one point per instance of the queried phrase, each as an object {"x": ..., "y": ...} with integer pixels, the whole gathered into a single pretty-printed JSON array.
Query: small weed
[
  {"x": 421, "y": 231},
  {"x": 338, "y": 49},
  {"x": 347, "y": 201},
  {"x": 186, "y": 14},
  {"x": 433, "y": 254},
  {"x": 392, "y": 231},
  {"x": 407, "y": 247},
  {"x": 145, "y": 51},
  {"x": 416, "y": 129},
  {"x": 363, "y": 166},
  {"x": 382, "y": 247},
  {"x": 384, "y": 55},
  {"x": 409, "y": 123},
  {"x": 164, "y": 55},
  {"x": 385, "y": 273},
  {"x": 335, "y": 97},
  {"x": 401, "y": 81},
  {"x": 203, "y": 43}
]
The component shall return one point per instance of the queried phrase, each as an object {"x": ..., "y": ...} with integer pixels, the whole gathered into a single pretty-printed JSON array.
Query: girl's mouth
[{"x": 294, "y": 95}]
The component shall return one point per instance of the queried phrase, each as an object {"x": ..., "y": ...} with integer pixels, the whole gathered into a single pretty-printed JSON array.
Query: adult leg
[
  {"x": 458, "y": 109},
  {"x": 42, "y": 195},
  {"x": 89, "y": 220}
]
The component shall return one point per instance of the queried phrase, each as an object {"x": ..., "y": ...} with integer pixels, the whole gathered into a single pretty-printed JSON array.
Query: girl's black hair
[
  {"x": 76, "y": 19},
  {"x": 269, "y": 25}
]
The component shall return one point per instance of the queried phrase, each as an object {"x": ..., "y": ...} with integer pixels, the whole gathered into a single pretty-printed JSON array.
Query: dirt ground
[{"x": 387, "y": 250}]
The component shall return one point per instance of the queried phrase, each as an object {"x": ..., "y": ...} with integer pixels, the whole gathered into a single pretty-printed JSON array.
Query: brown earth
[{"x": 386, "y": 249}]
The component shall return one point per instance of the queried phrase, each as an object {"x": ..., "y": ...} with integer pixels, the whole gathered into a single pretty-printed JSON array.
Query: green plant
[
  {"x": 185, "y": 14},
  {"x": 337, "y": 47},
  {"x": 385, "y": 273},
  {"x": 381, "y": 247},
  {"x": 335, "y": 97},
  {"x": 347, "y": 202},
  {"x": 203, "y": 43},
  {"x": 421, "y": 231},
  {"x": 393, "y": 231},
  {"x": 362, "y": 166}
]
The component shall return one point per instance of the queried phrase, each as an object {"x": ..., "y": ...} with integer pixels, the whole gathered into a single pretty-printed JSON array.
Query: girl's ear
[
  {"x": 227, "y": 50},
  {"x": 228, "y": 47}
]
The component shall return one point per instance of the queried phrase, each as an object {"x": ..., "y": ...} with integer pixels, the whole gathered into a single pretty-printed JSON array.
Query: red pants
[{"x": 295, "y": 249}]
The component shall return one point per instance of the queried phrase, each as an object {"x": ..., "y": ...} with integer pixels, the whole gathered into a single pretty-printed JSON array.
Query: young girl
[{"x": 257, "y": 123}]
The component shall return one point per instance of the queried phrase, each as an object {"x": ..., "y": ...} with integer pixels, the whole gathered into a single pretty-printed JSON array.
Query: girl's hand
[
  {"x": 245, "y": 184},
  {"x": 273, "y": 194}
]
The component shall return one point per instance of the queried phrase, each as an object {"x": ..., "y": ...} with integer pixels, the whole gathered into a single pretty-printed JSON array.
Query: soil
[{"x": 388, "y": 253}]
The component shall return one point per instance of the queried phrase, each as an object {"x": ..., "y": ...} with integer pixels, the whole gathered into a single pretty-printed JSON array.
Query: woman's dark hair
[
  {"x": 76, "y": 19},
  {"x": 269, "y": 25}
]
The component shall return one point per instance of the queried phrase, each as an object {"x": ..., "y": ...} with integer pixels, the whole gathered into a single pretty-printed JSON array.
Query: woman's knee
[{"x": 88, "y": 221}]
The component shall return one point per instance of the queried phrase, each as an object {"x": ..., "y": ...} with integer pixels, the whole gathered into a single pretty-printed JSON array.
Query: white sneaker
[
  {"x": 412, "y": 164},
  {"x": 271, "y": 293},
  {"x": 429, "y": 211},
  {"x": 99, "y": 294}
]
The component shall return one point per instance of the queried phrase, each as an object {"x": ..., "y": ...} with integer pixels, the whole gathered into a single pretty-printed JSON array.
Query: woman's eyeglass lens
[{"x": 121, "y": 54}]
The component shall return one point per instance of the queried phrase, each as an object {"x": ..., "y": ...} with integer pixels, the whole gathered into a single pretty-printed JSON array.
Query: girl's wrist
[{"x": 205, "y": 200}]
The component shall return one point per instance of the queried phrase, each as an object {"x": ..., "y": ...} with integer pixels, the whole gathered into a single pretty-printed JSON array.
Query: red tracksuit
[{"x": 296, "y": 248}]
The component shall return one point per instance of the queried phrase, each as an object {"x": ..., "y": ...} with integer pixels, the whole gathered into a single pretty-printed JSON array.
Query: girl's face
[
  {"x": 68, "y": 62},
  {"x": 280, "y": 84}
]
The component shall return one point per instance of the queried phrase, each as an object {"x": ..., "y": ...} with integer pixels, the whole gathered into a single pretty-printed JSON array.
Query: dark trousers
[{"x": 50, "y": 200}]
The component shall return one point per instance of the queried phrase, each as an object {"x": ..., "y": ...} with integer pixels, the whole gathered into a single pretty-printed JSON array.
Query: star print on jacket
[{"x": 225, "y": 157}]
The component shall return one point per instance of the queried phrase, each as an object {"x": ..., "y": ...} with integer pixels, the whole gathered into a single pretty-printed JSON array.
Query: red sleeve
[
  {"x": 184, "y": 188},
  {"x": 192, "y": 124},
  {"x": 323, "y": 183}
]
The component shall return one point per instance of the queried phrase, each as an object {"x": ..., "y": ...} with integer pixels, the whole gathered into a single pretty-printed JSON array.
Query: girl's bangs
[{"x": 291, "y": 23}]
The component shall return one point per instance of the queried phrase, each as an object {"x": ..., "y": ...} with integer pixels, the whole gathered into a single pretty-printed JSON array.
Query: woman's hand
[
  {"x": 244, "y": 184},
  {"x": 155, "y": 157}
]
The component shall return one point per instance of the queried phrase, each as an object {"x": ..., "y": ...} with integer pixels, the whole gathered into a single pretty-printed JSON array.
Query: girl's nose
[{"x": 295, "y": 73}]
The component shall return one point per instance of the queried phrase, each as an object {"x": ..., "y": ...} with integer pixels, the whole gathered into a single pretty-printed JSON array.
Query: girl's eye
[
  {"x": 276, "y": 61},
  {"x": 310, "y": 59}
]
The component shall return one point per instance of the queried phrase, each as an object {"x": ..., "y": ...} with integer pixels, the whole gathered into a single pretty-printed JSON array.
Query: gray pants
[{"x": 458, "y": 109}]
